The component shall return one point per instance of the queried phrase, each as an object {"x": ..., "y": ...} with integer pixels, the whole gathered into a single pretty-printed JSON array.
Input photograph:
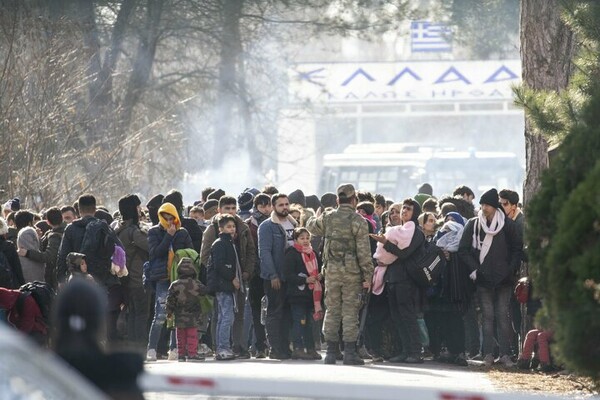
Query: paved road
[{"x": 286, "y": 377}]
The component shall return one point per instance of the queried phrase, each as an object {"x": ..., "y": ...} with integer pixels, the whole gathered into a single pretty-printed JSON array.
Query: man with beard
[{"x": 274, "y": 236}]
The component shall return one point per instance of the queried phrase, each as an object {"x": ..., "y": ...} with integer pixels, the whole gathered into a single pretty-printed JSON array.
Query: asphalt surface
[{"x": 282, "y": 379}]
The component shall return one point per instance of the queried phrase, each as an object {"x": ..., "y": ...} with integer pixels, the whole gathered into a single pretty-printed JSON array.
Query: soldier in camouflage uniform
[
  {"x": 183, "y": 302},
  {"x": 348, "y": 270}
]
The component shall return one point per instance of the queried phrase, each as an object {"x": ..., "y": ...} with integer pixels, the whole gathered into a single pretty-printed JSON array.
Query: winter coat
[
  {"x": 244, "y": 242},
  {"x": 135, "y": 242},
  {"x": 30, "y": 320},
  {"x": 32, "y": 270},
  {"x": 295, "y": 272},
  {"x": 396, "y": 271},
  {"x": 503, "y": 259},
  {"x": 183, "y": 298},
  {"x": 272, "y": 242},
  {"x": 159, "y": 242},
  {"x": 223, "y": 265},
  {"x": 48, "y": 253},
  {"x": 71, "y": 242},
  {"x": 10, "y": 252}
]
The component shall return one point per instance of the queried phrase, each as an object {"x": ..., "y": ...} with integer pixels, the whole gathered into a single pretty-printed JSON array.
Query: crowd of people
[{"x": 265, "y": 274}]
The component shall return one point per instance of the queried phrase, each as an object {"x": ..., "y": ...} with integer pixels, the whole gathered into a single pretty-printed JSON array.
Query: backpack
[
  {"x": 179, "y": 254},
  {"x": 426, "y": 265},
  {"x": 7, "y": 277},
  {"x": 98, "y": 240},
  {"x": 42, "y": 293}
]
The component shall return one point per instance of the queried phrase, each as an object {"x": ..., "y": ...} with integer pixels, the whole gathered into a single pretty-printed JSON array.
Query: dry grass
[{"x": 561, "y": 383}]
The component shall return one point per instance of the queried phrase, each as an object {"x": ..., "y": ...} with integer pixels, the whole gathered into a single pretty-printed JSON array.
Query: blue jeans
[
  {"x": 495, "y": 305},
  {"x": 302, "y": 316},
  {"x": 224, "y": 321},
  {"x": 160, "y": 316}
]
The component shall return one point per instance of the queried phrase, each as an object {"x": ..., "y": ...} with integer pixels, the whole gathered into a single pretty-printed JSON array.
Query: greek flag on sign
[{"x": 430, "y": 37}]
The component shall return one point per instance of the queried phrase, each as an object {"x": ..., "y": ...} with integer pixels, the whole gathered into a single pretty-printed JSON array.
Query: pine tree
[{"x": 563, "y": 217}]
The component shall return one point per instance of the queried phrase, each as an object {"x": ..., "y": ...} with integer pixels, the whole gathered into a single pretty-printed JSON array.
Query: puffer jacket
[{"x": 183, "y": 297}]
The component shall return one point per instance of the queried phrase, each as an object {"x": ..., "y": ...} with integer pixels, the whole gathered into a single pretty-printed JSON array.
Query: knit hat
[
  {"x": 3, "y": 226},
  {"x": 313, "y": 202},
  {"x": 176, "y": 198},
  {"x": 212, "y": 203},
  {"x": 297, "y": 197},
  {"x": 245, "y": 201},
  {"x": 128, "y": 206},
  {"x": 426, "y": 189},
  {"x": 329, "y": 200},
  {"x": 254, "y": 191},
  {"x": 490, "y": 198},
  {"x": 216, "y": 195}
]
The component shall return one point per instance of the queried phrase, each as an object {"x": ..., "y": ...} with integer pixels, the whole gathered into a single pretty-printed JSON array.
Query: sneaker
[
  {"x": 477, "y": 357},
  {"x": 506, "y": 361},
  {"x": 181, "y": 359},
  {"x": 225, "y": 356},
  {"x": 313, "y": 355},
  {"x": 195, "y": 358},
  {"x": 523, "y": 363},
  {"x": 151, "y": 355},
  {"x": 546, "y": 368},
  {"x": 173, "y": 355},
  {"x": 461, "y": 360},
  {"x": 363, "y": 353},
  {"x": 299, "y": 354},
  {"x": 260, "y": 354},
  {"x": 488, "y": 360},
  {"x": 376, "y": 357},
  {"x": 275, "y": 355},
  {"x": 205, "y": 351},
  {"x": 414, "y": 360},
  {"x": 243, "y": 355}
]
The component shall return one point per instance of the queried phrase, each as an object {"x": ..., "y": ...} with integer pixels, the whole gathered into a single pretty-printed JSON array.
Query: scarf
[
  {"x": 370, "y": 219},
  {"x": 310, "y": 262},
  {"x": 490, "y": 231}
]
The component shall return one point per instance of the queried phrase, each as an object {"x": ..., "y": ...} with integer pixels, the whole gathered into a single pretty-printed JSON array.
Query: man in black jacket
[
  {"x": 492, "y": 248},
  {"x": 98, "y": 267}
]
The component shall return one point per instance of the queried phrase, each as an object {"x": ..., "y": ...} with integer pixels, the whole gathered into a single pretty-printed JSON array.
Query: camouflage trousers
[{"x": 342, "y": 302}]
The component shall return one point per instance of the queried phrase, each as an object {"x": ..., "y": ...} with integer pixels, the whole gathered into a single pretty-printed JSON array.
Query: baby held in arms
[{"x": 400, "y": 235}]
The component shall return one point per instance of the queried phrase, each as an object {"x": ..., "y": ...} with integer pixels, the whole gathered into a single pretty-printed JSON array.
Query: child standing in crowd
[
  {"x": 224, "y": 276},
  {"x": 77, "y": 266},
  {"x": 304, "y": 292},
  {"x": 183, "y": 302}
]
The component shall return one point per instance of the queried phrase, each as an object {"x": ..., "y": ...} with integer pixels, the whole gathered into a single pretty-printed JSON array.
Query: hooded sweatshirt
[{"x": 32, "y": 270}]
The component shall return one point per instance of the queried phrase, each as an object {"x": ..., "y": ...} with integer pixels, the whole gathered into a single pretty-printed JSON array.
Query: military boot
[
  {"x": 332, "y": 350},
  {"x": 350, "y": 355}
]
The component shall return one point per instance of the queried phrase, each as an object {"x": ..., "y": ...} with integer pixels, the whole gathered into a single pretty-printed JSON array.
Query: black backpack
[
  {"x": 7, "y": 277},
  {"x": 42, "y": 293},
  {"x": 98, "y": 240}
]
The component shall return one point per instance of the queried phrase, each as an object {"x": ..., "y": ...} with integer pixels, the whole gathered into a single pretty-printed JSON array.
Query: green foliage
[
  {"x": 563, "y": 218},
  {"x": 487, "y": 28}
]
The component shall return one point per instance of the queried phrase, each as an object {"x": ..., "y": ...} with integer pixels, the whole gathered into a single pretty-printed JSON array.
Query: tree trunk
[
  {"x": 226, "y": 138},
  {"x": 546, "y": 51}
]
